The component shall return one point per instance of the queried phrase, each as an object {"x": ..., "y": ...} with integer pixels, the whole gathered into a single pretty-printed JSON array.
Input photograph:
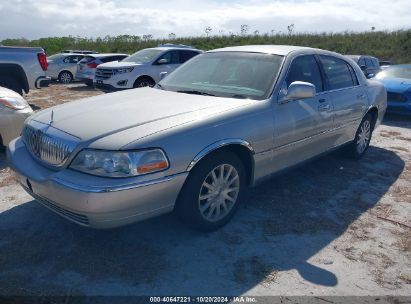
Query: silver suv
[{"x": 143, "y": 68}]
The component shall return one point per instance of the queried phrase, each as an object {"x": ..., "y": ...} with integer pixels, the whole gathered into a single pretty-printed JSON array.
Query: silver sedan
[
  {"x": 224, "y": 121},
  {"x": 13, "y": 112}
]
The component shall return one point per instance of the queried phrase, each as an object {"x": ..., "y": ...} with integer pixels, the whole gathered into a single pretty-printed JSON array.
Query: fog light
[{"x": 122, "y": 82}]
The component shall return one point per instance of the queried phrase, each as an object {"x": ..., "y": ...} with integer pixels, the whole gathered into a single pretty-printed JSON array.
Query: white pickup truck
[{"x": 22, "y": 69}]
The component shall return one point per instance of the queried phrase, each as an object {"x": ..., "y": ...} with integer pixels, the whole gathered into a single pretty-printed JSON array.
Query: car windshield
[
  {"x": 395, "y": 72},
  {"x": 226, "y": 74},
  {"x": 143, "y": 56}
]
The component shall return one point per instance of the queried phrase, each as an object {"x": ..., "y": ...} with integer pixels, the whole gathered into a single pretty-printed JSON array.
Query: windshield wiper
[
  {"x": 239, "y": 96},
  {"x": 195, "y": 92}
]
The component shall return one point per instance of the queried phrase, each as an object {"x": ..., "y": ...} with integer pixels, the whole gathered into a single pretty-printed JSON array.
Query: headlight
[
  {"x": 122, "y": 71},
  {"x": 120, "y": 163},
  {"x": 15, "y": 103}
]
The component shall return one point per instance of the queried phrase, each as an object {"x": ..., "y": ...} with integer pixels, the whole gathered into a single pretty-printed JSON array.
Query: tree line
[{"x": 389, "y": 45}]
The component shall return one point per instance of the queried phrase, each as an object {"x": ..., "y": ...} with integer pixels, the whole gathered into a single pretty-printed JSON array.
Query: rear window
[{"x": 87, "y": 59}]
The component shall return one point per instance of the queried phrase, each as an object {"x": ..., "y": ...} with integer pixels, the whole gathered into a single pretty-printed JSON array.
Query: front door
[{"x": 302, "y": 125}]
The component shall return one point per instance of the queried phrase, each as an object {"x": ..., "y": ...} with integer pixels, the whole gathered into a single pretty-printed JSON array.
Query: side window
[
  {"x": 108, "y": 59},
  {"x": 361, "y": 62},
  {"x": 72, "y": 59},
  {"x": 305, "y": 68},
  {"x": 337, "y": 72},
  {"x": 368, "y": 62},
  {"x": 172, "y": 57},
  {"x": 67, "y": 59},
  {"x": 187, "y": 55}
]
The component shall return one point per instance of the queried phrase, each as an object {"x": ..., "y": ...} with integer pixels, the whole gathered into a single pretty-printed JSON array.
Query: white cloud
[{"x": 43, "y": 18}]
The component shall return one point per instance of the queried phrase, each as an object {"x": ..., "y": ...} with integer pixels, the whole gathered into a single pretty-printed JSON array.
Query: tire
[
  {"x": 144, "y": 82},
  {"x": 11, "y": 83},
  {"x": 65, "y": 77},
  {"x": 88, "y": 83},
  {"x": 218, "y": 204},
  {"x": 359, "y": 146}
]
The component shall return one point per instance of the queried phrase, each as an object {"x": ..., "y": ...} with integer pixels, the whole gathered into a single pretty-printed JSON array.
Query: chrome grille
[
  {"x": 102, "y": 74},
  {"x": 393, "y": 96},
  {"x": 50, "y": 149}
]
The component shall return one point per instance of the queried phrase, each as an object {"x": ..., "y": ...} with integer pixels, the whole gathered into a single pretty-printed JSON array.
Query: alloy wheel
[
  {"x": 364, "y": 136},
  {"x": 219, "y": 192}
]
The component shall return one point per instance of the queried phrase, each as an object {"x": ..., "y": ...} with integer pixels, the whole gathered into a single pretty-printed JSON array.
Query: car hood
[
  {"x": 146, "y": 110},
  {"x": 397, "y": 84},
  {"x": 118, "y": 64}
]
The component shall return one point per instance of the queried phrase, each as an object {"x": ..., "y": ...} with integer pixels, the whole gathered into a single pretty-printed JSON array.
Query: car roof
[
  {"x": 359, "y": 56},
  {"x": 282, "y": 50},
  {"x": 166, "y": 48},
  {"x": 105, "y": 55}
]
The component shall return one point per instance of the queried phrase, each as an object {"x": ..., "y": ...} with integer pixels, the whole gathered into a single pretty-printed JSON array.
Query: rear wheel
[
  {"x": 213, "y": 191},
  {"x": 362, "y": 138},
  {"x": 65, "y": 77},
  {"x": 144, "y": 82}
]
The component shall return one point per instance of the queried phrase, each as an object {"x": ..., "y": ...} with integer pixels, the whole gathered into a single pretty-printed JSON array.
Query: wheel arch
[
  {"x": 15, "y": 70},
  {"x": 239, "y": 147},
  {"x": 373, "y": 111},
  {"x": 144, "y": 76}
]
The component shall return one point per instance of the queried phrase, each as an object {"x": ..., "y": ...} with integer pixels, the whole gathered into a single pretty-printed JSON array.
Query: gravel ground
[{"x": 331, "y": 227}]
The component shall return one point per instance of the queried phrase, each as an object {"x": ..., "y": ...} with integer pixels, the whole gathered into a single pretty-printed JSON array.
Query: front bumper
[
  {"x": 107, "y": 87},
  {"x": 93, "y": 201},
  {"x": 42, "y": 82}
]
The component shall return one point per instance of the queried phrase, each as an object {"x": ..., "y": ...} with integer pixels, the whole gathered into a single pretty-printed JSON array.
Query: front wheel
[
  {"x": 144, "y": 82},
  {"x": 212, "y": 192},
  {"x": 362, "y": 138}
]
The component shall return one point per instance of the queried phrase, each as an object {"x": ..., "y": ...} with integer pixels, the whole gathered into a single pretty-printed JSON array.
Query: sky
[{"x": 34, "y": 19}]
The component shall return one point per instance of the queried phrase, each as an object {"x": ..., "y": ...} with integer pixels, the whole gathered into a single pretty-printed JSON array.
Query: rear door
[{"x": 348, "y": 96}]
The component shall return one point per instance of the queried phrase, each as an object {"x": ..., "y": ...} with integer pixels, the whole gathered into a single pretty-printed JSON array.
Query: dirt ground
[{"x": 331, "y": 227}]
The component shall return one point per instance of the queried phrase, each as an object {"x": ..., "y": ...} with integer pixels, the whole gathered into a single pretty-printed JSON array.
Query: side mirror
[
  {"x": 163, "y": 75},
  {"x": 163, "y": 61},
  {"x": 298, "y": 90}
]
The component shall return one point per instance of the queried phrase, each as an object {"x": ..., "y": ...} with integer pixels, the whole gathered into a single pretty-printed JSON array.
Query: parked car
[
  {"x": 86, "y": 67},
  {"x": 368, "y": 64},
  {"x": 142, "y": 68},
  {"x": 397, "y": 82},
  {"x": 13, "y": 112},
  {"x": 225, "y": 120},
  {"x": 63, "y": 66},
  {"x": 23, "y": 69},
  {"x": 85, "y": 52}
]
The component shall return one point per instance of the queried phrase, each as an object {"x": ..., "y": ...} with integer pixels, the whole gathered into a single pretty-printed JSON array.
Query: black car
[{"x": 369, "y": 65}]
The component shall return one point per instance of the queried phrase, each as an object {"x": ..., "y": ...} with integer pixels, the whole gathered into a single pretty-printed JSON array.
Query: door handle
[{"x": 324, "y": 107}]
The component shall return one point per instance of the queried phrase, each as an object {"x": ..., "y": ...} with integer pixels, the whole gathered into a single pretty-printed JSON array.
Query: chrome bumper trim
[{"x": 99, "y": 189}]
